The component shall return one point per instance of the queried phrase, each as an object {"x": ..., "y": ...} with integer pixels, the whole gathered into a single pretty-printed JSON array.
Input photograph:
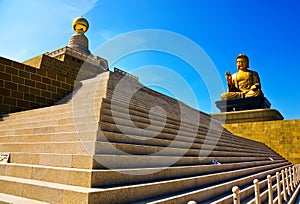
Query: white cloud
[{"x": 31, "y": 27}]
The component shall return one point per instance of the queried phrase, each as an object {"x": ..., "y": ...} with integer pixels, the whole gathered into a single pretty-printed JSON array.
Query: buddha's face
[{"x": 241, "y": 64}]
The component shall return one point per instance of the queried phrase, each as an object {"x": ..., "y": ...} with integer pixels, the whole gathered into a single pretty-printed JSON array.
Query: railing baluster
[
  {"x": 278, "y": 188},
  {"x": 236, "y": 195},
  {"x": 287, "y": 182},
  {"x": 294, "y": 177},
  {"x": 291, "y": 179},
  {"x": 270, "y": 189},
  {"x": 297, "y": 174},
  {"x": 257, "y": 191},
  {"x": 283, "y": 186}
]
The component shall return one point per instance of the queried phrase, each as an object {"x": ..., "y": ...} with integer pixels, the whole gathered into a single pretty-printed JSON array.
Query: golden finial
[{"x": 80, "y": 25}]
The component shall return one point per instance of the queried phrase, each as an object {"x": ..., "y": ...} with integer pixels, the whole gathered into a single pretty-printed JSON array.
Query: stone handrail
[{"x": 287, "y": 183}]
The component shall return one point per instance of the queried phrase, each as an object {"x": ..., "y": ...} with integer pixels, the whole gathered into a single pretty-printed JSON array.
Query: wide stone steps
[
  {"x": 134, "y": 134},
  {"x": 209, "y": 194},
  {"x": 121, "y": 161},
  {"x": 69, "y": 176},
  {"x": 77, "y": 148},
  {"x": 150, "y": 161},
  {"x": 86, "y": 147},
  {"x": 142, "y": 116},
  {"x": 55, "y": 193},
  {"x": 169, "y": 135},
  {"x": 121, "y": 106},
  {"x": 116, "y": 138}
]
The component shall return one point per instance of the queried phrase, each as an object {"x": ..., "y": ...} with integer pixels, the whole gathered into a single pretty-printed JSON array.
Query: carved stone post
[
  {"x": 257, "y": 191},
  {"x": 284, "y": 186},
  {"x": 287, "y": 182},
  {"x": 236, "y": 195},
  {"x": 270, "y": 189},
  {"x": 291, "y": 179},
  {"x": 278, "y": 188},
  {"x": 294, "y": 176}
]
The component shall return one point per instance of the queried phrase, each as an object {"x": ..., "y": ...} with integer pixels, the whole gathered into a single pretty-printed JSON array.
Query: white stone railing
[{"x": 286, "y": 182}]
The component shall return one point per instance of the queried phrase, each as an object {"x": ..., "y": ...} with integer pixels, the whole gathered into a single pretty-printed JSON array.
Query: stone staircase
[{"x": 115, "y": 141}]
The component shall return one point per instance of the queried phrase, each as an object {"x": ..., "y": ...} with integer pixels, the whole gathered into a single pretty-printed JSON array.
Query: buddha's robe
[{"x": 245, "y": 84}]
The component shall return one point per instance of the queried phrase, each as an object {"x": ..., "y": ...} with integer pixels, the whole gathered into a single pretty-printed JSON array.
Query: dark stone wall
[{"x": 24, "y": 87}]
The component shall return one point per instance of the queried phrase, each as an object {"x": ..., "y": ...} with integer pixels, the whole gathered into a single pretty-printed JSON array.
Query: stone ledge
[
  {"x": 240, "y": 104},
  {"x": 255, "y": 115}
]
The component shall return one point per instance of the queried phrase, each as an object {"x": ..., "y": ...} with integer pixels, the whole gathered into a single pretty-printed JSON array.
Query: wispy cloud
[{"x": 33, "y": 25}]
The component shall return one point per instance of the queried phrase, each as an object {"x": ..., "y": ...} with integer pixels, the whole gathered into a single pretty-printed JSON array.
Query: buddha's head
[{"x": 242, "y": 62}]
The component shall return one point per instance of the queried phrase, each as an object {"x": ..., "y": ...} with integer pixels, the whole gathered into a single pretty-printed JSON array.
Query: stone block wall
[
  {"x": 67, "y": 65},
  {"x": 283, "y": 136},
  {"x": 24, "y": 87}
]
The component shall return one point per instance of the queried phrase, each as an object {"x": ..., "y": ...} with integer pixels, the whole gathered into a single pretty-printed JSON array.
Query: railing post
[
  {"x": 291, "y": 179},
  {"x": 236, "y": 195},
  {"x": 278, "y": 188},
  {"x": 257, "y": 191},
  {"x": 270, "y": 189},
  {"x": 297, "y": 174},
  {"x": 294, "y": 176},
  {"x": 287, "y": 182},
  {"x": 284, "y": 186},
  {"x": 296, "y": 179}
]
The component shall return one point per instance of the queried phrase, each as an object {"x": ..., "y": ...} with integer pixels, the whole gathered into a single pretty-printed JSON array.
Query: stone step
[
  {"x": 10, "y": 199},
  {"x": 151, "y": 161},
  {"x": 120, "y": 161},
  {"x": 109, "y": 105},
  {"x": 105, "y": 148},
  {"x": 39, "y": 130},
  {"x": 44, "y": 191},
  {"x": 83, "y": 161},
  {"x": 177, "y": 143},
  {"x": 98, "y": 147},
  {"x": 185, "y": 137},
  {"x": 50, "y": 116},
  {"x": 51, "y": 137},
  {"x": 56, "y": 193},
  {"x": 141, "y": 115},
  {"x": 77, "y": 127},
  {"x": 164, "y": 129},
  {"x": 120, "y": 177},
  {"x": 209, "y": 193},
  {"x": 73, "y": 147},
  {"x": 144, "y": 122}
]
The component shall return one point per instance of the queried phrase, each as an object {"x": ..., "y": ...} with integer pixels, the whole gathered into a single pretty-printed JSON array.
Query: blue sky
[{"x": 267, "y": 31}]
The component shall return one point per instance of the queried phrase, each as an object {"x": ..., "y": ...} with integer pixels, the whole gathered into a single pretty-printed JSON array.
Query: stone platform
[
  {"x": 239, "y": 104},
  {"x": 255, "y": 115}
]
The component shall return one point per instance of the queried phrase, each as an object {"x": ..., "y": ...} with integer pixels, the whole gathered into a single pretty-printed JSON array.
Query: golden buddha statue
[{"x": 244, "y": 83}]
